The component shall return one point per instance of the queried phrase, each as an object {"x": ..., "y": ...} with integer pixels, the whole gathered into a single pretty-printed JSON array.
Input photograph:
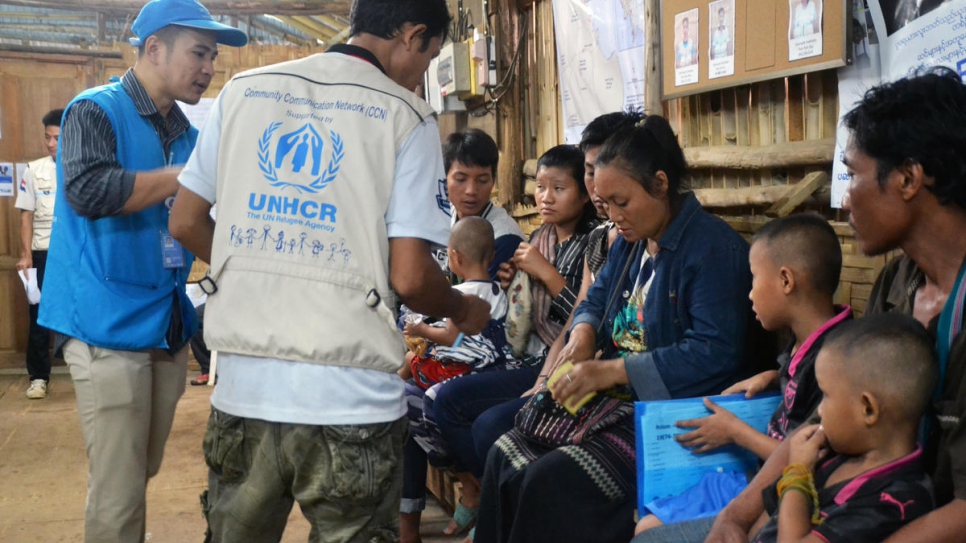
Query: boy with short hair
[
  {"x": 795, "y": 264},
  {"x": 470, "y": 251},
  {"x": 877, "y": 375}
]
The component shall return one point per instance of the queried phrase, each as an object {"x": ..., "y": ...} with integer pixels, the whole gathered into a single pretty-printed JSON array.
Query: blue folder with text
[{"x": 665, "y": 468}]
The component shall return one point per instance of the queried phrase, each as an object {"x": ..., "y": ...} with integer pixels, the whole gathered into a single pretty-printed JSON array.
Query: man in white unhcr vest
[{"x": 326, "y": 173}]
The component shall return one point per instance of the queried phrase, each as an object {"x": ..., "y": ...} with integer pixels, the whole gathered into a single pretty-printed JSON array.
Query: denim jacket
[{"x": 697, "y": 309}]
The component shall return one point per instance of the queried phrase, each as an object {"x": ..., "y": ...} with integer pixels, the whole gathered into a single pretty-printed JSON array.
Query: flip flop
[
  {"x": 200, "y": 381},
  {"x": 464, "y": 517}
]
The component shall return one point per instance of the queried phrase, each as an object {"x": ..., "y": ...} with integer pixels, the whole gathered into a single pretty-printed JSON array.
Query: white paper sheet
[{"x": 29, "y": 279}]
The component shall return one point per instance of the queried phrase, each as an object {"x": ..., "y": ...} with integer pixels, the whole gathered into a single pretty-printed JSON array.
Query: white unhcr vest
[{"x": 305, "y": 172}]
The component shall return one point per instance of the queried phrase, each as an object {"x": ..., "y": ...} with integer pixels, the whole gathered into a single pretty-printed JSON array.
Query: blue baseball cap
[{"x": 158, "y": 14}]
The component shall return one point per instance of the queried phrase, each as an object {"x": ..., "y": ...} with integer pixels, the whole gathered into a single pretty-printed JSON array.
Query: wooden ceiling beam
[
  {"x": 333, "y": 23},
  {"x": 340, "y": 37},
  {"x": 300, "y": 26},
  {"x": 285, "y": 36},
  {"x": 217, "y": 7},
  {"x": 318, "y": 28}
]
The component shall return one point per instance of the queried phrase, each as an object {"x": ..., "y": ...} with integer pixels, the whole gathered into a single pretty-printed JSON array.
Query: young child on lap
[
  {"x": 471, "y": 249},
  {"x": 795, "y": 264},
  {"x": 859, "y": 476}
]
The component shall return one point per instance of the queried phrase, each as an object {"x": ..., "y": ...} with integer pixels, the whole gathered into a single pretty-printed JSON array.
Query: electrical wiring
[{"x": 497, "y": 92}]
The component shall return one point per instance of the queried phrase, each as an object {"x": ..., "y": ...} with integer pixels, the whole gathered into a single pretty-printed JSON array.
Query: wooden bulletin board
[{"x": 760, "y": 42}]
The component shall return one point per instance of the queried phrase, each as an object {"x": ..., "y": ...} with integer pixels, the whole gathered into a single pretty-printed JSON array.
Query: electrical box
[
  {"x": 454, "y": 69},
  {"x": 480, "y": 68},
  {"x": 434, "y": 95}
]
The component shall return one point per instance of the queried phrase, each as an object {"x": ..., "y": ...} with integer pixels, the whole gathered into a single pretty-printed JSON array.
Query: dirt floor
[{"x": 43, "y": 470}]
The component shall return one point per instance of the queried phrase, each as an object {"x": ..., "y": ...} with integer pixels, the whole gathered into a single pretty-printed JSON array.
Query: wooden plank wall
[
  {"x": 803, "y": 108},
  {"x": 31, "y": 85},
  {"x": 794, "y": 109}
]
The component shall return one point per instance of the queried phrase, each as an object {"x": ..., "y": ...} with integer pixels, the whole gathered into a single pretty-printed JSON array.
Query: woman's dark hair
[
  {"x": 604, "y": 126},
  {"x": 918, "y": 119},
  {"x": 644, "y": 149},
  {"x": 384, "y": 18},
  {"x": 471, "y": 147},
  {"x": 53, "y": 118},
  {"x": 571, "y": 159}
]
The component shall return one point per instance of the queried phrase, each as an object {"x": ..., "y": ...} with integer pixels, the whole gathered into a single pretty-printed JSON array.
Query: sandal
[
  {"x": 200, "y": 381},
  {"x": 464, "y": 518}
]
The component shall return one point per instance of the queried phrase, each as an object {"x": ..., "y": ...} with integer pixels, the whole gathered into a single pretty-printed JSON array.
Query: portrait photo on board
[
  {"x": 686, "y": 47},
  {"x": 721, "y": 37},
  {"x": 804, "y": 29}
]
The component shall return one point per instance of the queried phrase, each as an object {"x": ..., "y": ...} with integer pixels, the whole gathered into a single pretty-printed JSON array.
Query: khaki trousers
[{"x": 126, "y": 402}]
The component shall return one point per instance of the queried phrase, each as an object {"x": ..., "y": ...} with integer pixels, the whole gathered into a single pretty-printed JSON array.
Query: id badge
[{"x": 172, "y": 253}]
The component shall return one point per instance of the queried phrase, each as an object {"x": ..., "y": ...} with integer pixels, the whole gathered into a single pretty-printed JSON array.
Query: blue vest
[{"x": 105, "y": 284}]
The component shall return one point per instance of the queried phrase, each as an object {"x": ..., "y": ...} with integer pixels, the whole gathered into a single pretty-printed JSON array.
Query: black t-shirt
[
  {"x": 866, "y": 508},
  {"x": 800, "y": 392}
]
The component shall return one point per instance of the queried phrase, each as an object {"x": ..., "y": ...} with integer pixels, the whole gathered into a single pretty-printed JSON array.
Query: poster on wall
[
  {"x": 600, "y": 59},
  {"x": 854, "y": 80},
  {"x": 721, "y": 37},
  {"x": 920, "y": 33},
  {"x": 901, "y": 38},
  {"x": 686, "y": 48},
  {"x": 6, "y": 179},
  {"x": 804, "y": 29}
]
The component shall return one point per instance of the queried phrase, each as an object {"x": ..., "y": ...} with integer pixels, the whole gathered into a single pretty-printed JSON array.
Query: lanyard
[{"x": 950, "y": 324}]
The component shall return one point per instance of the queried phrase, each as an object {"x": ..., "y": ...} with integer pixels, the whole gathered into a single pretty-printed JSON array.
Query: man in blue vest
[{"x": 115, "y": 277}]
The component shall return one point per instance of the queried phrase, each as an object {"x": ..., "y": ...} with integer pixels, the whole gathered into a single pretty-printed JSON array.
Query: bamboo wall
[{"x": 31, "y": 85}]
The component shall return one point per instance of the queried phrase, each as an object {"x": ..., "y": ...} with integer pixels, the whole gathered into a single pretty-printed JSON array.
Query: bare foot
[
  {"x": 465, "y": 517},
  {"x": 409, "y": 528}
]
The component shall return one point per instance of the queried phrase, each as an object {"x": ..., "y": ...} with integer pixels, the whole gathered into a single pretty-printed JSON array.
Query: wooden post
[
  {"x": 547, "y": 131},
  {"x": 510, "y": 111},
  {"x": 652, "y": 58}
]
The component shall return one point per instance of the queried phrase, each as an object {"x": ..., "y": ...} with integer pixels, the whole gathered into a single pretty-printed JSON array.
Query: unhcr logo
[{"x": 295, "y": 159}]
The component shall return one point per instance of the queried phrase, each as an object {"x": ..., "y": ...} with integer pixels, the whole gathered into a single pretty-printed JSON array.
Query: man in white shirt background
[{"x": 35, "y": 200}]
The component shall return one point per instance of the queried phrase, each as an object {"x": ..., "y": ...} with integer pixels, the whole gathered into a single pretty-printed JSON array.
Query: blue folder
[{"x": 665, "y": 468}]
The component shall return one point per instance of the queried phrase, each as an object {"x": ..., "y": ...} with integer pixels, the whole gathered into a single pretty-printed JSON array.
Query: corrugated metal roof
[{"x": 24, "y": 25}]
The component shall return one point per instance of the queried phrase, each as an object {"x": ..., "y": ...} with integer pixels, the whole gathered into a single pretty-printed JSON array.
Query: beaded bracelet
[{"x": 799, "y": 477}]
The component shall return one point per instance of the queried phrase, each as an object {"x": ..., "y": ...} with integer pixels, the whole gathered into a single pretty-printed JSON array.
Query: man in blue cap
[{"x": 116, "y": 277}]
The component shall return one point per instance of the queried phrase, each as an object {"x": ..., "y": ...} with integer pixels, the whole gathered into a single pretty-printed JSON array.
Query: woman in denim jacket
[{"x": 676, "y": 328}]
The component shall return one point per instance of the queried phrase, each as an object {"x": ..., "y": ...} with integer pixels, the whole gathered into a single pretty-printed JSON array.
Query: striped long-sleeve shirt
[
  {"x": 95, "y": 185},
  {"x": 569, "y": 262}
]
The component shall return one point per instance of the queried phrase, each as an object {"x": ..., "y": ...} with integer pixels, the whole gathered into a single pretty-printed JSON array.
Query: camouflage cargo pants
[{"x": 347, "y": 480}]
